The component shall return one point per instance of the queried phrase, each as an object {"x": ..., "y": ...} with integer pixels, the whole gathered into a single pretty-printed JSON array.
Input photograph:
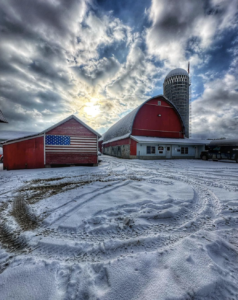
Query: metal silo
[{"x": 176, "y": 89}]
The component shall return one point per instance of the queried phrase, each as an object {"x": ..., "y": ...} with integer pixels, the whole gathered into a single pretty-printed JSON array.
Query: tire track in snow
[
  {"x": 149, "y": 241},
  {"x": 151, "y": 238},
  {"x": 78, "y": 206}
]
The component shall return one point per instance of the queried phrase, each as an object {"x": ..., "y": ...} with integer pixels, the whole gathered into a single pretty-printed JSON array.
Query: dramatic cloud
[
  {"x": 215, "y": 114},
  {"x": 183, "y": 29},
  {"x": 100, "y": 59}
]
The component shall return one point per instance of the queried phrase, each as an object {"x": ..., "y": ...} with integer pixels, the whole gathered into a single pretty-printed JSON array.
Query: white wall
[
  {"x": 141, "y": 150},
  {"x": 175, "y": 148}
]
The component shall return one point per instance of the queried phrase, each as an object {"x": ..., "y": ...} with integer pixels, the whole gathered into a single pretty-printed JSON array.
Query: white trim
[
  {"x": 20, "y": 140},
  {"x": 168, "y": 141},
  {"x": 73, "y": 151},
  {"x": 70, "y": 146},
  {"x": 82, "y": 138}
]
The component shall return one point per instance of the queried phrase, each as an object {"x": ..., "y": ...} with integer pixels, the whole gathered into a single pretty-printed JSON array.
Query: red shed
[
  {"x": 155, "y": 118},
  {"x": 69, "y": 142}
]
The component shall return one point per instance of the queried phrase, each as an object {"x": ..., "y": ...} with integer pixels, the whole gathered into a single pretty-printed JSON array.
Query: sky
[{"x": 101, "y": 59}]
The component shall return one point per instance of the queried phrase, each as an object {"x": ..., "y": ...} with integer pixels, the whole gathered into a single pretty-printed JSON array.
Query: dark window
[
  {"x": 168, "y": 148},
  {"x": 150, "y": 150},
  {"x": 184, "y": 150}
]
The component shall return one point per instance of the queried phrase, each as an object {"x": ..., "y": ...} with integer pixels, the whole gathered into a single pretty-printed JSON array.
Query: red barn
[
  {"x": 69, "y": 142},
  {"x": 154, "y": 130}
]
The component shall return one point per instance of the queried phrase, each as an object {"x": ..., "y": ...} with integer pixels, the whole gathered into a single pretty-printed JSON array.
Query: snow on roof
[
  {"x": 102, "y": 137},
  {"x": 156, "y": 140},
  {"x": 124, "y": 126},
  {"x": 2, "y": 118},
  {"x": 177, "y": 71},
  {"x": 125, "y": 136}
]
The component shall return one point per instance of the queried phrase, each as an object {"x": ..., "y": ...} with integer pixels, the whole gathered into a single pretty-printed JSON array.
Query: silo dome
[
  {"x": 176, "y": 89},
  {"x": 177, "y": 71}
]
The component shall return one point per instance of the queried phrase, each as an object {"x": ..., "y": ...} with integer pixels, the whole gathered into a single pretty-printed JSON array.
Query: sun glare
[{"x": 92, "y": 109}]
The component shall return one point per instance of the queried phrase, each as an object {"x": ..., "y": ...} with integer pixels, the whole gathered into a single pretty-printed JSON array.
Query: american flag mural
[{"x": 70, "y": 144}]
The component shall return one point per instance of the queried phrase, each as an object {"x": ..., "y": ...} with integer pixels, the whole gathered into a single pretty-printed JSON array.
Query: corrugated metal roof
[
  {"x": 169, "y": 141},
  {"x": 124, "y": 126},
  {"x": 177, "y": 71},
  {"x": 2, "y": 118}
]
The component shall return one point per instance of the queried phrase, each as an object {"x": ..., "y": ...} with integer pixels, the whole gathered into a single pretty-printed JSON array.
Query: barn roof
[
  {"x": 52, "y": 127},
  {"x": 2, "y": 118},
  {"x": 123, "y": 128},
  {"x": 101, "y": 138}
]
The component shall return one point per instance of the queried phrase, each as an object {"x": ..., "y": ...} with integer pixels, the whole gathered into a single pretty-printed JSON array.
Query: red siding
[
  {"x": 72, "y": 128},
  {"x": 148, "y": 123},
  {"x": 70, "y": 158},
  {"x": 28, "y": 154},
  {"x": 133, "y": 147},
  {"x": 118, "y": 143}
]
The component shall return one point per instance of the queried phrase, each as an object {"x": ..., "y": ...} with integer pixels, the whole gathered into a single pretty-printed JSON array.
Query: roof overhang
[
  {"x": 168, "y": 141},
  {"x": 117, "y": 138}
]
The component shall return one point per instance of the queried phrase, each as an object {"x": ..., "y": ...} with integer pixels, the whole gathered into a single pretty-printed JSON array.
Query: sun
[{"x": 91, "y": 108}]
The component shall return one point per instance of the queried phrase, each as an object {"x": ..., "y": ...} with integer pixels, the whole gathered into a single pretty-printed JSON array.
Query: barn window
[
  {"x": 159, "y": 102},
  {"x": 150, "y": 150},
  {"x": 184, "y": 150}
]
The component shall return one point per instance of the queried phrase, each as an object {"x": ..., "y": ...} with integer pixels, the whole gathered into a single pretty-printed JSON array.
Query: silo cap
[{"x": 177, "y": 71}]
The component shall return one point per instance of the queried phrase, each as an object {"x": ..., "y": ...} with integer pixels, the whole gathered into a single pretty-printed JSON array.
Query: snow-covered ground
[{"x": 127, "y": 229}]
